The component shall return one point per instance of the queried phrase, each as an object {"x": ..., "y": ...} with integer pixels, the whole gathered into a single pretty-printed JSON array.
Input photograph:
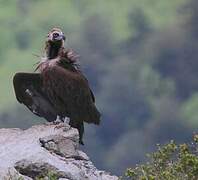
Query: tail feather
[
  {"x": 94, "y": 116},
  {"x": 80, "y": 126}
]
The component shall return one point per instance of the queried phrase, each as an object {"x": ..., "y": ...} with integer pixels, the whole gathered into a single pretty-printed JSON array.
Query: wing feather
[{"x": 28, "y": 90}]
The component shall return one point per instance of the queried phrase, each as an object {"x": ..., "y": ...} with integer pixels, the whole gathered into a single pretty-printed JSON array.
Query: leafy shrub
[{"x": 171, "y": 161}]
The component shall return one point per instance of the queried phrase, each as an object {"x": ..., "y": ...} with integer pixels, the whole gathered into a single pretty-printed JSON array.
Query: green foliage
[
  {"x": 171, "y": 161},
  {"x": 49, "y": 176},
  {"x": 22, "y": 30}
]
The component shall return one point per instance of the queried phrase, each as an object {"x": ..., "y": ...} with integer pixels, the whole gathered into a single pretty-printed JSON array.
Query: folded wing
[{"x": 29, "y": 91}]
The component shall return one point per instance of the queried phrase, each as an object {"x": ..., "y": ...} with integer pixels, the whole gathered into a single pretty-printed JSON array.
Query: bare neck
[{"x": 53, "y": 49}]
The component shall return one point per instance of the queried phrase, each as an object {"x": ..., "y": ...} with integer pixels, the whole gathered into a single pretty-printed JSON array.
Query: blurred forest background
[{"x": 141, "y": 59}]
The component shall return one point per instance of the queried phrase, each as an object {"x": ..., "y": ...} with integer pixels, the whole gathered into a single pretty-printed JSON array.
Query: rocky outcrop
[{"x": 45, "y": 152}]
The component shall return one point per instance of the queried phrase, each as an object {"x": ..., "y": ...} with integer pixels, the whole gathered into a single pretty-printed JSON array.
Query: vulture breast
[{"x": 69, "y": 92}]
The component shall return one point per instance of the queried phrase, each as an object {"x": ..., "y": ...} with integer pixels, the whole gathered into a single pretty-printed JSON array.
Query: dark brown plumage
[{"x": 60, "y": 88}]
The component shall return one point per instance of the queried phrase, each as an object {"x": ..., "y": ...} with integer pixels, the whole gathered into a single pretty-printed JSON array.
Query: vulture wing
[
  {"x": 92, "y": 95},
  {"x": 28, "y": 90}
]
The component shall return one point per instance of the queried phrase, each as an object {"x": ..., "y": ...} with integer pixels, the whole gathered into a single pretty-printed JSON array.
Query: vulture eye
[{"x": 55, "y": 35}]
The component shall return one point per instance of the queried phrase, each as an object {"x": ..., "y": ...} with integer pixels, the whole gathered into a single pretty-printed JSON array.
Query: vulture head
[
  {"x": 54, "y": 42},
  {"x": 55, "y": 35}
]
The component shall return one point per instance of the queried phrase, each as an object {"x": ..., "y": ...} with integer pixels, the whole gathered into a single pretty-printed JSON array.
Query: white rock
[{"x": 42, "y": 150}]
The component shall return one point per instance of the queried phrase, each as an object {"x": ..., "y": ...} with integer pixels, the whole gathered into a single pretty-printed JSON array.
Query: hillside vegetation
[{"x": 171, "y": 161}]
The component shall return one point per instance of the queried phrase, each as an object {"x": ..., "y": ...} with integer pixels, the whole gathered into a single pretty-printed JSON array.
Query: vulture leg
[{"x": 28, "y": 90}]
